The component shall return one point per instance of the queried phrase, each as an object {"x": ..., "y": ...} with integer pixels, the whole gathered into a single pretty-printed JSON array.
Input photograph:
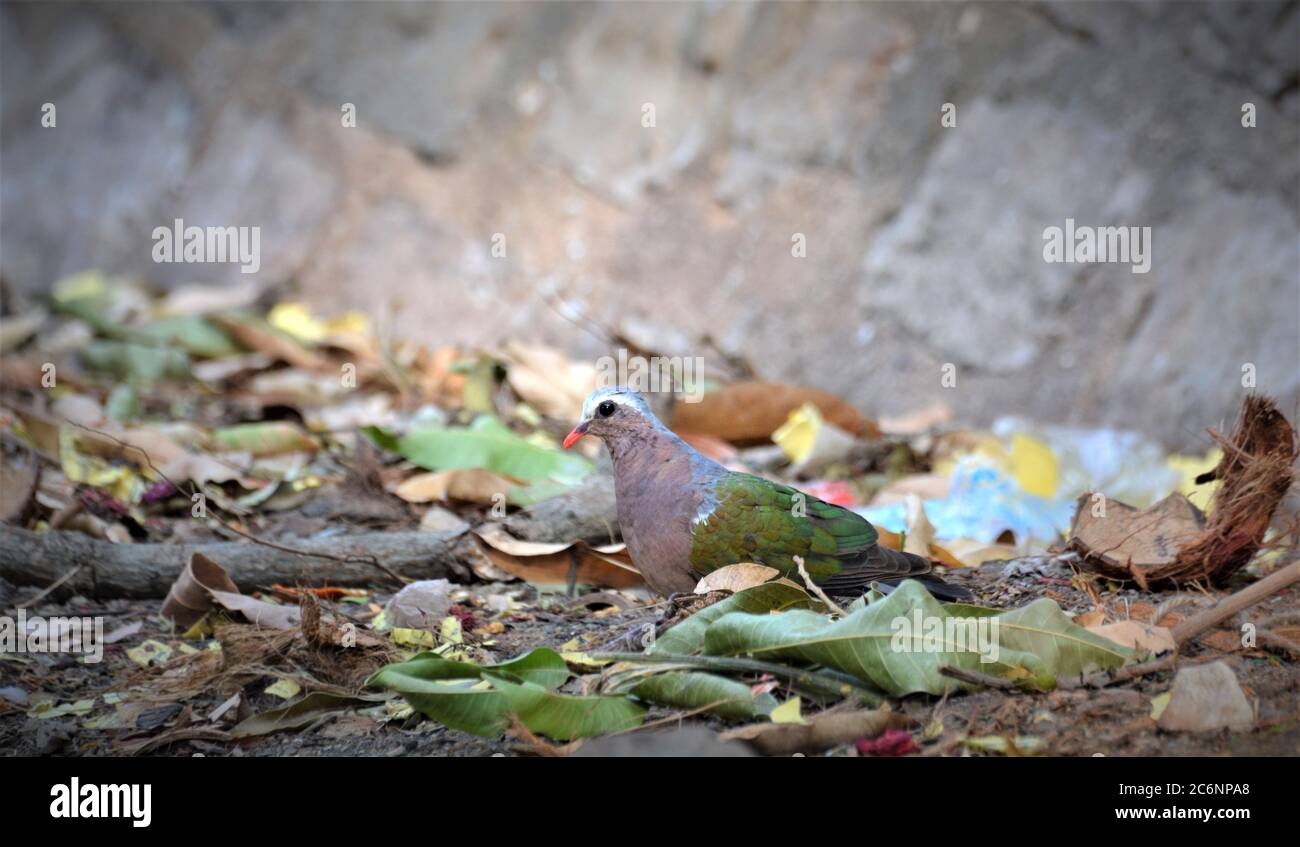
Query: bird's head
[{"x": 609, "y": 413}]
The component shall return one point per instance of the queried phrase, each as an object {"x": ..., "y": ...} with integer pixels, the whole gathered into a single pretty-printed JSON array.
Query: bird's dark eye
[{"x": 606, "y": 409}]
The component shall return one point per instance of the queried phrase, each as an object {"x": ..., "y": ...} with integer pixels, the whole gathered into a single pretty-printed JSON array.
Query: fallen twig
[
  {"x": 1234, "y": 603},
  {"x": 815, "y": 588},
  {"x": 148, "y": 570},
  {"x": 49, "y": 589}
]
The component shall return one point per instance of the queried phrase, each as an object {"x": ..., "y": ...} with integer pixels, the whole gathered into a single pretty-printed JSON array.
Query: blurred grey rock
[
  {"x": 1205, "y": 698},
  {"x": 420, "y": 605},
  {"x": 924, "y": 243}
]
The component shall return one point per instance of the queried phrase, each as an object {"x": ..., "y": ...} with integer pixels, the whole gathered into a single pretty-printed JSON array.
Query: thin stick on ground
[
  {"x": 49, "y": 589},
  {"x": 1250, "y": 595},
  {"x": 815, "y": 588}
]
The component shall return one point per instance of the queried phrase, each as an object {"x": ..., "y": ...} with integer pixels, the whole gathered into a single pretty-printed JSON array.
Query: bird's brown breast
[{"x": 656, "y": 506}]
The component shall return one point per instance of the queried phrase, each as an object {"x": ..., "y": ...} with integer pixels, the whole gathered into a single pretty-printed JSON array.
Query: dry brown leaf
[
  {"x": 919, "y": 421},
  {"x": 499, "y": 538},
  {"x": 261, "y": 338},
  {"x": 258, "y": 612},
  {"x": 920, "y": 532},
  {"x": 189, "y": 598},
  {"x": 736, "y": 577},
  {"x": 145, "y": 446},
  {"x": 473, "y": 485},
  {"x": 536, "y": 562},
  {"x": 20, "y": 476},
  {"x": 1095, "y": 617},
  {"x": 1136, "y": 635},
  {"x": 752, "y": 411},
  {"x": 547, "y": 380},
  {"x": 204, "y": 582},
  {"x": 432, "y": 373},
  {"x": 1223, "y": 640},
  {"x": 820, "y": 732}
]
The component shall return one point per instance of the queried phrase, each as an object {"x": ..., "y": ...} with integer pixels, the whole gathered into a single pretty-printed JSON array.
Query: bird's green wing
[{"x": 757, "y": 520}]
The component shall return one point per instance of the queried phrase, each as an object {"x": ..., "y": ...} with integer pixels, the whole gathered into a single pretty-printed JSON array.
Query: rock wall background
[{"x": 924, "y": 244}]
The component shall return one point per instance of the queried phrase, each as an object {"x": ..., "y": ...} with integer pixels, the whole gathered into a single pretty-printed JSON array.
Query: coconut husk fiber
[{"x": 1257, "y": 469}]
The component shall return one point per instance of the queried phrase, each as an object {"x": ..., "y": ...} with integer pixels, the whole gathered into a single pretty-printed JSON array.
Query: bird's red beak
[{"x": 572, "y": 438}]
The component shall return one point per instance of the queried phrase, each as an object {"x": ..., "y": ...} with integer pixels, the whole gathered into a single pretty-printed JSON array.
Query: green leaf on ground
[
  {"x": 263, "y": 438},
  {"x": 459, "y": 695},
  {"x": 687, "y": 637},
  {"x": 138, "y": 364},
  {"x": 194, "y": 334},
  {"x": 488, "y": 443},
  {"x": 726, "y": 698},
  {"x": 899, "y": 643},
  {"x": 565, "y": 717}
]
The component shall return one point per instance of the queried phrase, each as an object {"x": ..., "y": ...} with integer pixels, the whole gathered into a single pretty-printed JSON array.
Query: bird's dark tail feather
[
  {"x": 944, "y": 592},
  {"x": 909, "y": 565}
]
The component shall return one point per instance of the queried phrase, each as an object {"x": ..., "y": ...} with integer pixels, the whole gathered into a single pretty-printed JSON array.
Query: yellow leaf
[
  {"x": 408, "y": 637},
  {"x": 451, "y": 630},
  {"x": 579, "y": 662},
  {"x": 201, "y": 630},
  {"x": 285, "y": 689},
  {"x": 473, "y": 485},
  {"x": 122, "y": 482},
  {"x": 1158, "y": 704},
  {"x": 788, "y": 712},
  {"x": 296, "y": 320}
]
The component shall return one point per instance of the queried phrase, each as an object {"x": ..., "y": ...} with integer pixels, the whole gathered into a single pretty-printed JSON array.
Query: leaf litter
[{"x": 188, "y": 419}]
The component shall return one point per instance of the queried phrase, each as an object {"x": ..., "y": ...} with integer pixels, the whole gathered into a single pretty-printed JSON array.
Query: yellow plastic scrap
[
  {"x": 1034, "y": 466},
  {"x": 797, "y": 435}
]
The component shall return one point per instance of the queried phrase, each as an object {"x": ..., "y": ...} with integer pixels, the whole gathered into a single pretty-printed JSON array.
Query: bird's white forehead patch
[{"x": 599, "y": 396}]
